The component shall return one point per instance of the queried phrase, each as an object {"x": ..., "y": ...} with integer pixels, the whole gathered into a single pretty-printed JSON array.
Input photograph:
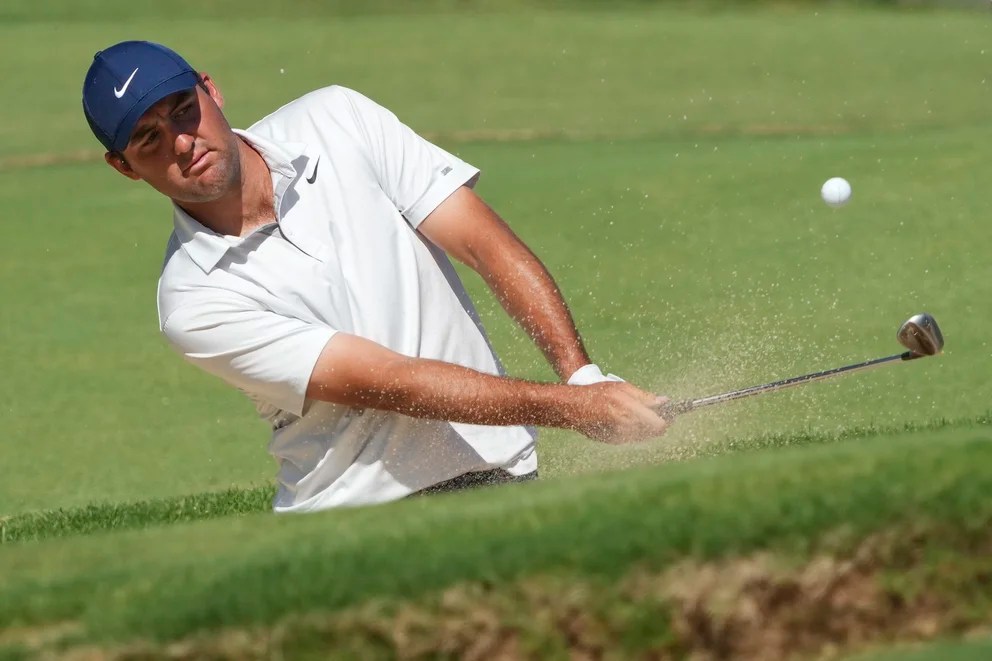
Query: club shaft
[{"x": 794, "y": 381}]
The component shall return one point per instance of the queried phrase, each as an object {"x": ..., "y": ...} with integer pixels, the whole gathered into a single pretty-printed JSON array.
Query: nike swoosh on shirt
[
  {"x": 313, "y": 177},
  {"x": 120, "y": 92}
]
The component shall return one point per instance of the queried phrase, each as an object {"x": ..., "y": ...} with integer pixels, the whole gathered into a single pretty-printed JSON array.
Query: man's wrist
[{"x": 589, "y": 374}]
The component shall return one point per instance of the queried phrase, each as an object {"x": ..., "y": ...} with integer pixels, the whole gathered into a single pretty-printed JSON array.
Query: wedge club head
[{"x": 921, "y": 335}]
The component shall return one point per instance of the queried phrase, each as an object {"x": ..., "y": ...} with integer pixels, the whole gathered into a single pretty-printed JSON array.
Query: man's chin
[{"x": 209, "y": 186}]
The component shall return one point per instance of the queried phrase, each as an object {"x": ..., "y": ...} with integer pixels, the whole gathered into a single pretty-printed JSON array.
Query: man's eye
[
  {"x": 184, "y": 111},
  {"x": 151, "y": 138}
]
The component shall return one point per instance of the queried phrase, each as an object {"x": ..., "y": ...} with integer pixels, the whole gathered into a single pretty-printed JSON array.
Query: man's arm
[
  {"x": 357, "y": 372},
  {"x": 468, "y": 230},
  {"x": 286, "y": 361}
]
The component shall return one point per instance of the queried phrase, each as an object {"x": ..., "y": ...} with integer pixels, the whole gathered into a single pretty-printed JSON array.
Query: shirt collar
[{"x": 205, "y": 246}]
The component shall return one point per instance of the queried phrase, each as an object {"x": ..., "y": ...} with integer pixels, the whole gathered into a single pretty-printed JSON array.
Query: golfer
[{"x": 309, "y": 267}]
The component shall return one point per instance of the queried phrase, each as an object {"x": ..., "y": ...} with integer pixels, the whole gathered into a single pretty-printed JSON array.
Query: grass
[
  {"x": 603, "y": 74},
  {"x": 170, "y": 581},
  {"x": 664, "y": 163},
  {"x": 977, "y": 649},
  {"x": 143, "y": 514},
  {"x": 34, "y": 526},
  {"x": 673, "y": 613}
]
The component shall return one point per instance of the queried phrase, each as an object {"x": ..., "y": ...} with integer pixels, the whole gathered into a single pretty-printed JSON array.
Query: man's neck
[{"x": 247, "y": 206}]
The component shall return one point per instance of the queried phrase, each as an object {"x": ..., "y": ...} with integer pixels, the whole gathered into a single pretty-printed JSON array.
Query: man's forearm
[
  {"x": 528, "y": 293},
  {"x": 466, "y": 228},
  {"x": 433, "y": 389}
]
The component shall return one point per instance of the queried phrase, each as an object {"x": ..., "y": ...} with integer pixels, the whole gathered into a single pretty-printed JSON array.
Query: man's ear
[
  {"x": 116, "y": 161},
  {"x": 212, "y": 89}
]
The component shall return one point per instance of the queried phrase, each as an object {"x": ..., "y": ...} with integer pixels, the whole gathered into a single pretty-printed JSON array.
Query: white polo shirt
[{"x": 351, "y": 184}]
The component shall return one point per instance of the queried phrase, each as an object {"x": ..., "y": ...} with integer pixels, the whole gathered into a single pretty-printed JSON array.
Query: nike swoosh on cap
[{"x": 120, "y": 92}]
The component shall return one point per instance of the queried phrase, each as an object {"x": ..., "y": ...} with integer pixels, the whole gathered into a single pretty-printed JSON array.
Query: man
[{"x": 308, "y": 267}]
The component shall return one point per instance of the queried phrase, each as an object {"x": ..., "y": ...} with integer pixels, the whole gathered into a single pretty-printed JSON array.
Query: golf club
[{"x": 920, "y": 334}]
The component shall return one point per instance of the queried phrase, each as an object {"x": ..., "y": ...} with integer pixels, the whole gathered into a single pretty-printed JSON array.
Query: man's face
[{"x": 183, "y": 147}]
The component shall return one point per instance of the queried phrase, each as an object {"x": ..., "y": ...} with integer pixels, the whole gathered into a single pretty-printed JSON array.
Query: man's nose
[{"x": 184, "y": 143}]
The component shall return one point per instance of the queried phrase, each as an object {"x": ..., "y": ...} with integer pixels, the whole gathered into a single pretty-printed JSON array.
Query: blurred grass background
[{"x": 664, "y": 163}]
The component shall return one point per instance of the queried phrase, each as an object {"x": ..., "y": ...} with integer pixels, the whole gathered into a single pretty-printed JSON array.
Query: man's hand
[{"x": 617, "y": 413}]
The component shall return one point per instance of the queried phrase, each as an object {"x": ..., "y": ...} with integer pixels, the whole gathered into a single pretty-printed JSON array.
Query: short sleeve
[
  {"x": 265, "y": 354},
  {"x": 414, "y": 173}
]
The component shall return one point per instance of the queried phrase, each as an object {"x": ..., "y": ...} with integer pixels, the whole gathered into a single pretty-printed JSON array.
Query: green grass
[
  {"x": 35, "y": 526},
  {"x": 173, "y": 580},
  {"x": 976, "y": 649},
  {"x": 142, "y": 514},
  {"x": 637, "y": 71},
  {"x": 664, "y": 163}
]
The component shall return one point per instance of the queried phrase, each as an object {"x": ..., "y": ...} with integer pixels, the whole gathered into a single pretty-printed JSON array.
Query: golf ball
[{"x": 836, "y": 191}]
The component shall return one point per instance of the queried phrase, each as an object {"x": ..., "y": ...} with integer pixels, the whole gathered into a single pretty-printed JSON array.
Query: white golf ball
[{"x": 836, "y": 191}]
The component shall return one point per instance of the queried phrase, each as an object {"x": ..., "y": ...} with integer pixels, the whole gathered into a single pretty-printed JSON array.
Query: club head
[{"x": 921, "y": 335}]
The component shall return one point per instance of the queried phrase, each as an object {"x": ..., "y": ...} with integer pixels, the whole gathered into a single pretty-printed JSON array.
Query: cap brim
[{"x": 185, "y": 81}]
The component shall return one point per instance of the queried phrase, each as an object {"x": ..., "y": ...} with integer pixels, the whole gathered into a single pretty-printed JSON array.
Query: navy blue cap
[{"x": 124, "y": 81}]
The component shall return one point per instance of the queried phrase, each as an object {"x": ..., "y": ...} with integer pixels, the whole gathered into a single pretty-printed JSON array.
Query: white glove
[{"x": 590, "y": 374}]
